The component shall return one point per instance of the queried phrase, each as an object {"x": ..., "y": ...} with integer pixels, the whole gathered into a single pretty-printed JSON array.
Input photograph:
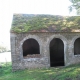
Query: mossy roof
[{"x": 45, "y": 23}]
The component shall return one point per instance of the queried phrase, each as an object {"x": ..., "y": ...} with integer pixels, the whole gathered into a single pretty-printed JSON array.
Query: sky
[{"x": 9, "y": 7}]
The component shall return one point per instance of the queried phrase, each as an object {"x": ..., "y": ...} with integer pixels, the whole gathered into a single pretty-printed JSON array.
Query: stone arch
[
  {"x": 73, "y": 41},
  {"x": 30, "y": 37},
  {"x": 65, "y": 46},
  {"x": 75, "y": 45},
  {"x": 30, "y": 47},
  {"x": 56, "y": 48}
]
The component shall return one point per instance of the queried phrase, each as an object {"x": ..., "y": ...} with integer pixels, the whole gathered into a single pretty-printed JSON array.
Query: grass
[{"x": 71, "y": 72}]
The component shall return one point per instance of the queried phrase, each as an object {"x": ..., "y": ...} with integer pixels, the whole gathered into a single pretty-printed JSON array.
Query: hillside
[{"x": 44, "y": 23}]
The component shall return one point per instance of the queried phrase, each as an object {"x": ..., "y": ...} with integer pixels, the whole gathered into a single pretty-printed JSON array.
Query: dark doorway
[
  {"x": 56, "y": 52},
  {"x": 30, "y": 47},
  {"x": 77, "y": 47}
]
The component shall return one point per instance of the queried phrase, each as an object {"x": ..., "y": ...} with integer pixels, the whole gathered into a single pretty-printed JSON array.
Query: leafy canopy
[{"x": 75, "y": 5}]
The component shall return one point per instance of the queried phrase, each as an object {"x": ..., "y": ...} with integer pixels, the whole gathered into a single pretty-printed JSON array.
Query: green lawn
[{"x": 60, "y": 73}]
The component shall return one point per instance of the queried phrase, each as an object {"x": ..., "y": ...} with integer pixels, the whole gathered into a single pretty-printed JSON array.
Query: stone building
[{"x": 44, "y": 47}]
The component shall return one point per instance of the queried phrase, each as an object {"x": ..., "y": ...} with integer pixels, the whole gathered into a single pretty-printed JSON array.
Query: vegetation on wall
[{"x": 44, "y": 23}]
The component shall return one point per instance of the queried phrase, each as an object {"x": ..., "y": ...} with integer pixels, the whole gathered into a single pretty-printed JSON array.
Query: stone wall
[{"x": 44, "y": 39}]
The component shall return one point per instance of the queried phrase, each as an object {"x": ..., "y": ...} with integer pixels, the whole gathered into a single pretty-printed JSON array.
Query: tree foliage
[
  {"x": 3, "y": 49},
  {"x": 75, "y": 5},
  {"x": 30, "y": 22}
]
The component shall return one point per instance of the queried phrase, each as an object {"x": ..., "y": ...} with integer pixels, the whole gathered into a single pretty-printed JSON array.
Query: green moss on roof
[{"x": 44, "y": 23}]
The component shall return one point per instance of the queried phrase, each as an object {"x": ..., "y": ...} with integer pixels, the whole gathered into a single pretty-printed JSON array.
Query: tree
[
  {"x": 75, "y": 5},
  {"x": 3, "y": 49}
]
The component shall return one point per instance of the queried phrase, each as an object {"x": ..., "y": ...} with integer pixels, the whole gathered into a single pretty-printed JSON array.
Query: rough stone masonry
[{"x": 43, "y": 59}]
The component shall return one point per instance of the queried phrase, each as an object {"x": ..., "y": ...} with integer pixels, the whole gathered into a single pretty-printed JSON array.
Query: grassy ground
[{"x": 60, "y": 73}]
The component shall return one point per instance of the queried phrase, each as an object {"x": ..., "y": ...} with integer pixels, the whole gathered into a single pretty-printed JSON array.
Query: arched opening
[
  {"x": 56, "y": 52},
  {"x": 31, "y": 48},
  {"x": 77, "y": 47}
]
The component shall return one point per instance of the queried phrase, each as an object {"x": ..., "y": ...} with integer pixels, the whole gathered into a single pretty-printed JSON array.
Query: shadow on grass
[{"x": 60, "y": 73}]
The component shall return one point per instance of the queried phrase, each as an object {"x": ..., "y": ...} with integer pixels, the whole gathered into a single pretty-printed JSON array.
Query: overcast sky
[{"x": 8, "y": 7}]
